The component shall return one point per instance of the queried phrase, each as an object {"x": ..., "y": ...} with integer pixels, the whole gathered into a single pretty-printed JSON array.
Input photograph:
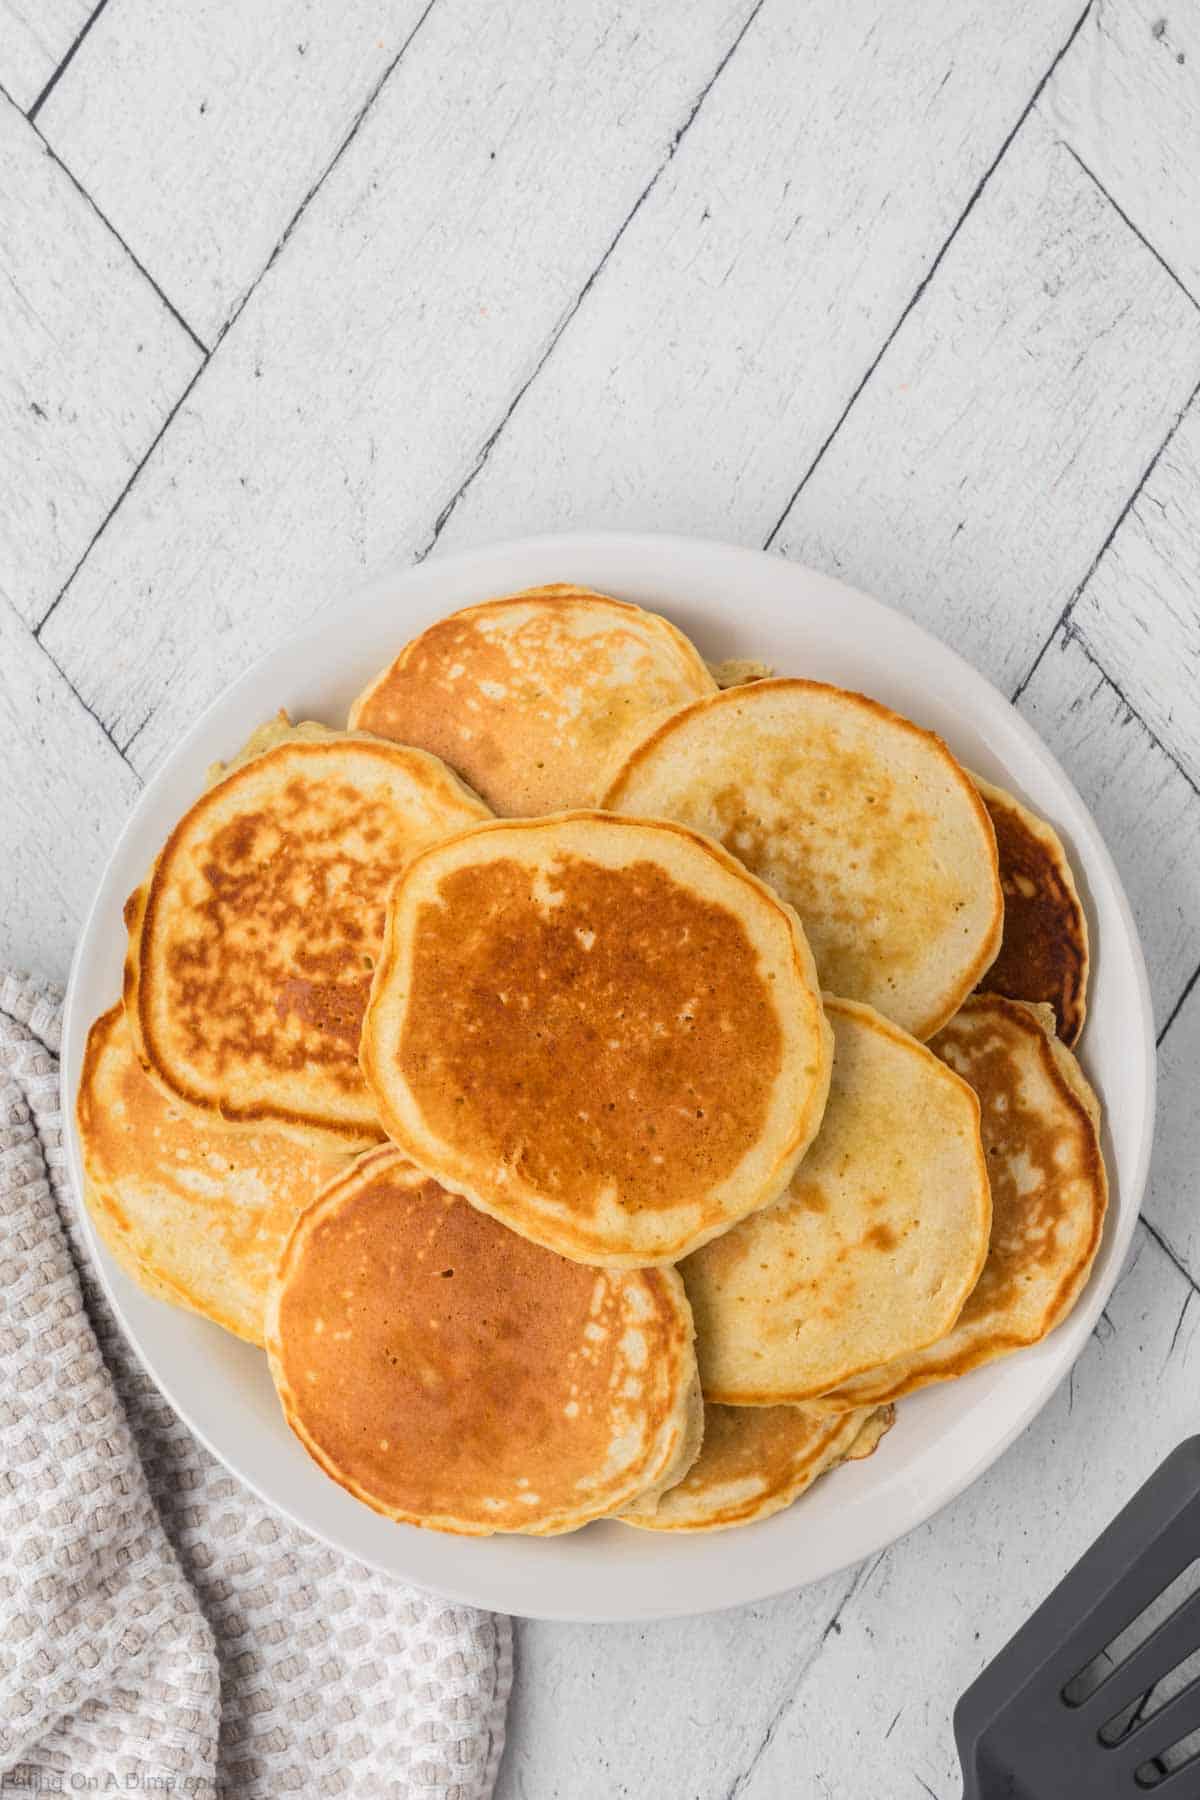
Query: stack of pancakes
[{"x": 605, "y": 1085}]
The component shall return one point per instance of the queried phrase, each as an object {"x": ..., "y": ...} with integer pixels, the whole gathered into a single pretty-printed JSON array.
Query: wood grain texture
[
  {"x": 1140, "y": 613},
  {"x": 383, "y": 347},
  {"x": 694, "y": 1699},
  {"x": 1127, "y": 101},
  {"x": 64, "y": 798},
  {"x": 199, "y": 129},
  {"x": 35, "y": 36},
  {"x": 1171, "y": 1201},
  {"x": 729, "y": 330},
  {"x": 1145, "y": 807},
  {"x": 978, "y": 475},
  {"x": 92, "y": 364}
]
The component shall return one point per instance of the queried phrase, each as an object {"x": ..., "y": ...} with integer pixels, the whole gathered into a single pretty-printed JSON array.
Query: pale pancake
[
  {"x": 195, "y": 1213},
  {"x": 603, "y": 1031},
  {"x": 529, "y": 695},
  {"x": 877, "y": 1243},
  {"x": 754, "y": 1461},
  {"x": 859, "y": 819},
  {"x": 449, "y": 1373},
  {"x": 1040, "y": 1123},
  {"x": 253, "y": 939},
  {"x": 1044, "y": 955}
]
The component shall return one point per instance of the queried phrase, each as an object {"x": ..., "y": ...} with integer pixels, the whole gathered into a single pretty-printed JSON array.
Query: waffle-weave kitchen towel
[{"x": 161, "y": 1630}]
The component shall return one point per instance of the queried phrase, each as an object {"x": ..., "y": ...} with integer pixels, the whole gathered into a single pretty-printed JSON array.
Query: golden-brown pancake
[
  {"x": 1049, "y": 1192},
  {"x": 529, "y": 695},
  {"x": 1044, "y": 955},
  {"x": 754, "y": 1461},
  {"x": 252, "y": 941},
  {"x": 197, "y": 1214},
  {"x": 858, "y": 818},
  {"x": 878, "y": 1241},
  {"x": 451, "y": 1374},
  {"x": 602, "y": 1031}
]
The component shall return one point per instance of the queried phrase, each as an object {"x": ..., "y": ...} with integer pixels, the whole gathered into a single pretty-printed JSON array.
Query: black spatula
[{"x": 1043, "y": 1722}]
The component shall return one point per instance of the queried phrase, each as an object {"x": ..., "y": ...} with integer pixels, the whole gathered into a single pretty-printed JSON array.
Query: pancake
[
  {"x": 528, "y": 696},
  {"x": 448, "y": 1373},
  {"x": 754, "y": 1461},
  {"x": 252, "y": 941},
  {"x": 859, "y": 819},
  {"x": 196, "y": 1214},
  {"x": 1049, "y": 1192},
  {"x": 603, "y": 1032},
  {"x": 1044, "y": 955},
  {"x": 877, "y": 1243}
]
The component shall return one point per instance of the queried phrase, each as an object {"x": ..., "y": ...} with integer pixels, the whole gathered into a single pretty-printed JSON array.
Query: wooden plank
[
  {"x": 726, "y": 335},
  {"x": 92, "y": 363},
  {"x": 35, "y": 36},
  {"x": 64, "y": 798},
  {"x": 944, "y": 1600},
  {"x": 977, "y": 475},
  {"x": 1140, "y": 613},
  {"x": 1146, "y": 808},
  {"x": 706, "y": 1691},
  {"x": 383, "y": 347},
  {"x": 198, "y": 130},
  {"x": 1171, "y": 1202},
  {"x": 1127, "y": 101}
]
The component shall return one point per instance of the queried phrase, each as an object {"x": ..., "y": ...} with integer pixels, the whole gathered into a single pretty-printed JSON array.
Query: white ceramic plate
[{"x": 732, "y": 603}]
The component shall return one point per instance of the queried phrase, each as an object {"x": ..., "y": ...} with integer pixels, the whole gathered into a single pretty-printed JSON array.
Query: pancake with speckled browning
[
  {"x": 1044, "y": 955},
  {"x": 859, "y": 819},
  {"x": 1049, "y": 1193},
  {"x": 528, "y": 696},
  {"x": 197, "y": 1214},
  {"x": 252, "y": 941},
  {"x": 877, "y": 1243},
  {"x": 451, "y": 1374},
  {"x": 602, "y": 1031},
  {"x": 754, "y": 1461}
]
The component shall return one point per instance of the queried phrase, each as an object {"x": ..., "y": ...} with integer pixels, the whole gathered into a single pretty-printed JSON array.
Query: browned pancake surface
[
  {"x": 1044, "y": 952},
  {"x": 450, "y": 1373},
  {"x": 578, "y": 1042},
  {"x": 253, "y": 941},
  {"x": 528, "y": 695}
]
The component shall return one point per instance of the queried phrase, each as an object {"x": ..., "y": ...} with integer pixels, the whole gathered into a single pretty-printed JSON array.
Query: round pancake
[
  {"x": 754, "y": 1461},
  {"x": 602, "y": 1031},
  {"x": 451, "y": 1374},
  {"x": 878, "y": 1241},
  {"x": 196, "y": 1214},
  {"x": 1040, "y": 1123},
  {"x": 252, "y": 941},
  {"x": 1044, "y": 954},
  {"x": 859, "y": 819},
  {"x": 528, "y": 696}
]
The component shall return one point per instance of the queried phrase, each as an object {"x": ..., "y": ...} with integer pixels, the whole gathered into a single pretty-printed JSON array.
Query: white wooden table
[{"x": 909, "y": 293}]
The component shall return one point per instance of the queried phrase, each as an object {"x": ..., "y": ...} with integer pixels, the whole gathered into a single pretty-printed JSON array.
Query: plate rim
[{"x": 360, "y": 602}]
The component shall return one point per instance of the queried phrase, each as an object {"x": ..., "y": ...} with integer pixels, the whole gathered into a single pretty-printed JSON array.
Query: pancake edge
[
  {"x": 675, "y": 1450},
  {"x": 817, "y": 1396},
  {"x": 318, "y": 1132},
  {"x": 549, "y": 1238},
  {"x": 665, "y": 727},
  {"x": 1076, "y": 1088},
  {"x": 1044, "y": 832}
]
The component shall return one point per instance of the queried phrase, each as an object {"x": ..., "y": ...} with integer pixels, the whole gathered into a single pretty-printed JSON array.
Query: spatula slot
[{"x": 1130, "y": 1639}]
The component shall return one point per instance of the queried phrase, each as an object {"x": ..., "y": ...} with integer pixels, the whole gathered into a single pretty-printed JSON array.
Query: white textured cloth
[{"x": 160, "y": 1628}]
